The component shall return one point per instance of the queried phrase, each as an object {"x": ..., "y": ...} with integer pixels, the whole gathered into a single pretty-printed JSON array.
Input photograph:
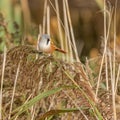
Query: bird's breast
[{"x": 45, "y": 47}]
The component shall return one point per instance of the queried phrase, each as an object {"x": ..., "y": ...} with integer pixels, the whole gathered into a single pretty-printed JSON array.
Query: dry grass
[
  {"x": 45, "y": 73},
  {"x": 38, "y": 86}
]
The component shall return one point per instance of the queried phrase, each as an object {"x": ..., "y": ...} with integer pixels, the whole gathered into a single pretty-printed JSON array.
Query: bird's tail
[{"x": 60, "y": 50}]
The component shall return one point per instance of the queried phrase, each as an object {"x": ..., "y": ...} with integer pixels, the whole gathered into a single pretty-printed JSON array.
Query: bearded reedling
[{"x": 47, "y": 46}]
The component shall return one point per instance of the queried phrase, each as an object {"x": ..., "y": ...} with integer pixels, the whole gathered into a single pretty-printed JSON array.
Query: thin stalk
[
  {"x": 56, "y": 14},
  {"x": 48, "y": 30},
  {"x": 71, "y": 32},
  {"x": 64, "y": 27},
  {"x": 37, "y": 46},
  {"x": 109, "y": 13},
  {"x": 67, "y": 34},
  {"x": 117, "y": 78},
  {"x": 33, "y": 110},
  {"x": 13, "y": 94},
  {"x": 59, "y": 27},
  {"x": 2, "y": 78},
  {"x": 44, "y": 16},
  {"x": 106, "y": 37},
  {"x": 26, "y": 14},
  {"x": 106, "y": 72},
  {"x": 105, "y": 47},
  {"x": 48, "y": 20},
  {"x": 33, "y": 114},
  {"x": 114, "y": 68},
  {"x": 110, "y": 64}
]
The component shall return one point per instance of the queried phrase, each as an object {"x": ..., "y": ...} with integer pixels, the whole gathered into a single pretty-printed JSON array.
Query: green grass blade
[{"x": 30, "y": 103}]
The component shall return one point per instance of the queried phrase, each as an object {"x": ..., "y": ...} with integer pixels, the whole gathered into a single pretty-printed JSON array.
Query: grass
[
  {"x": 33, "y": 101},
  {"x": 48, "y": 87},
  {"x": 34, "y": 72},
  {"x": 2, "y": 78}
]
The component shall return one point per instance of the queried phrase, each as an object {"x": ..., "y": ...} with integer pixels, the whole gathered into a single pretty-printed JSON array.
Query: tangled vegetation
[{"x": 27, "y": 77}]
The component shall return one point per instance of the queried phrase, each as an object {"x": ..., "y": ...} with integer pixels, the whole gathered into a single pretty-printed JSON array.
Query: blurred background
[{"x": 20, "y": 21}]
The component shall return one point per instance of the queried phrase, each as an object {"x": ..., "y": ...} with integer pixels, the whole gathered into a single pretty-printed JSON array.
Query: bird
[{"x": 46, "y": 45}]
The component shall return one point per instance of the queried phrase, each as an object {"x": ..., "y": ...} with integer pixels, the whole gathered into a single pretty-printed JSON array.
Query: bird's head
[{"x": 44, "y": 39}]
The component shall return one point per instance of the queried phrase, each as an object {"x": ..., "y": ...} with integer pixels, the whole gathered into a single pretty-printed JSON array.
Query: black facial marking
[{"x": 48, "y": 41}]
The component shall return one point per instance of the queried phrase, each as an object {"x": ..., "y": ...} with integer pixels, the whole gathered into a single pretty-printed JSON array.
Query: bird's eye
[{"x": 48, "y": 41}]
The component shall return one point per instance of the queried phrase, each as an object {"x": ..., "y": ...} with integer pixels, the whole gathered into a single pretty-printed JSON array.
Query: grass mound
[{"x": 26, "y": 77}]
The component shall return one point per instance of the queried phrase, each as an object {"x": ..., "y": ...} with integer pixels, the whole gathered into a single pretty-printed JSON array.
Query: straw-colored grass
[
  {"x": 36, "y": 86},
  {"x": 26, "y": 75}
]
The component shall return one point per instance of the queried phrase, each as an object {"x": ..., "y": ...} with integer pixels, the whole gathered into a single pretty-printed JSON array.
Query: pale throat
[{"x": 44, "y": 46}]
